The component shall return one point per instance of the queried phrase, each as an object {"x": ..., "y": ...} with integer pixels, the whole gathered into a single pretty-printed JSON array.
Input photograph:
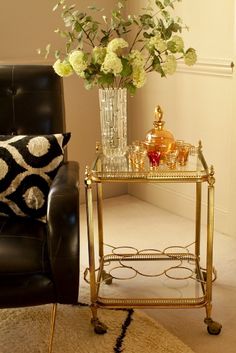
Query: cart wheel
[
  {"x": 214, "y": 328},
  {"x": 99, "y": 327}
]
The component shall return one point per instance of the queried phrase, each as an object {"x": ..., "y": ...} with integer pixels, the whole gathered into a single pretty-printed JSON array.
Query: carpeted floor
[{"x": 26, "y": 331}]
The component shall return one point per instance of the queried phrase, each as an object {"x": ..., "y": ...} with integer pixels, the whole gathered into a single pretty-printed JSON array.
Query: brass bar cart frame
[{"x": 197, "y": 174}]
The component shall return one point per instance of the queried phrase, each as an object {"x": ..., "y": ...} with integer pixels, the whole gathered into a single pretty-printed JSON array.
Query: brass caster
[
  {"x": 213, "y": 327},
  {"x": 99, "y": 327},
  {"x": 107, "y": 278}
]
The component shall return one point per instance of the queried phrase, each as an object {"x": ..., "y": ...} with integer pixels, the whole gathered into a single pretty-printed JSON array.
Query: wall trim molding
[{"x": 209, "y": 66}]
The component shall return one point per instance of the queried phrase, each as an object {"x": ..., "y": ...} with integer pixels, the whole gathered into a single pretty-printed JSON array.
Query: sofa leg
[{"x": 52, "y": 326}]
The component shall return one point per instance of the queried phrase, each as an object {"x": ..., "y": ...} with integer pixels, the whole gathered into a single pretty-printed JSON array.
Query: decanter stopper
[{"x": 158, "y": 123}]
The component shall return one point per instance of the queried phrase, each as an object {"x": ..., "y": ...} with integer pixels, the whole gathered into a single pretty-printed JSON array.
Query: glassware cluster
[{"x": 159, "y": 149}]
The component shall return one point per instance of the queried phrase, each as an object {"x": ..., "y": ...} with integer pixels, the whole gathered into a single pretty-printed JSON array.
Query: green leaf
[
  {"x": 57, "y": 54},
  {"x": 71, "y": 7},
  {"x": 55, "y": 7},
  {"x": 116, "y": 15},
  {"x": 120, "y": 5},
  {"x": 159, "y": 4},
  {"x": 171, "y": 46},
  {"x": 127, "y": 68},
  {"x": 68, "y": 46},
  {"x": 147, "y": 35},
  {"x": 47, "y": 50},
  {"x": 92, "y": 7},
  {"x": 105, "y": 39},
  {"x": 78, "y": 27},
  {"x": 81, "y": 16},
  {"x": 147, "y": 21},
  {"x": 156, "y": 64},
  {"x": 106, "y": 79},
  {"x": 175, "y": 27},
  {"x": 88, "y": 19},
  {"x": 131, "y": 88},
  {"x": 88, "y": 84},
  {"x": 63, "y": 34},
  {"x": 71, "y": 37}
]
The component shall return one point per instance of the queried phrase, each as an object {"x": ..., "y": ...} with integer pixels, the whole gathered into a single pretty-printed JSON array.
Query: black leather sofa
[{"x": 39, "y": 262}]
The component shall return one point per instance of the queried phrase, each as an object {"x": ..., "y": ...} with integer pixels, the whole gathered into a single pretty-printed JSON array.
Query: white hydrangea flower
[
  {"x": 137, "y": 61},
  {"x": 78, "y": 60},
  {"x": 139, "y": 76},
  {"x": 170, "y": 65},
  {"x": 112, "y": 64},
  {"x": 178, "y": 42},
  {"x": 63, "y": 68},
  {"x": 136, "y": 58},
  {"x": 117, "y": 43},
  {"x": 98, "y": 55},
  {"x": 190, "y": 57},
  {"x": 158, "y": 43}
]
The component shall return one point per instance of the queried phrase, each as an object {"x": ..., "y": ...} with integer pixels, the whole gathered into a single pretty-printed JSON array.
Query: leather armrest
[{"x": 63, "y": 231}]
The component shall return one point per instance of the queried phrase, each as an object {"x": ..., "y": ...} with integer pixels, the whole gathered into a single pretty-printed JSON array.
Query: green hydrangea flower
[
  {"x": 78, "y": 61},
  {"x": 116, "y": 44},
  {"x": 190, "y": 57},
  {"x": 139, "y": 76},
  {"x": 136, "y": 58},
  {"x": 98, "y": 55},
  {"x": 176, "y": 45},
  {"x": 157, "y": 43},
  {"x": 170, "y": 65},
  {"x": 63, "y": 68},
  {"x": 112, "y": 64}
]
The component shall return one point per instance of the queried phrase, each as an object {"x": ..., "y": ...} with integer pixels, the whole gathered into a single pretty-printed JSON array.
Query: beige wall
[
  {"x": 198, "y": 104},
  {"x": 27, "y": 25}
]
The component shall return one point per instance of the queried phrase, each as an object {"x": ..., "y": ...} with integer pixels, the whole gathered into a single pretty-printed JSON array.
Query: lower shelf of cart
[{"x": 151, "y": 279}]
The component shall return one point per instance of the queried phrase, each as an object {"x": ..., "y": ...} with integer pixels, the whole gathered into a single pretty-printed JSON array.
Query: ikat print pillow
[{"x": 28, "y": 165}]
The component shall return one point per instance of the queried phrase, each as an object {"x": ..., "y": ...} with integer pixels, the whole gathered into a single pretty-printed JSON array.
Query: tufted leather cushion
[{"x": 30, "y": 100}]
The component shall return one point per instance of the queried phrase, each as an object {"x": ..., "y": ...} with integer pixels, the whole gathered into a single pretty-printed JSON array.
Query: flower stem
[{"x": 135, "y": 39}]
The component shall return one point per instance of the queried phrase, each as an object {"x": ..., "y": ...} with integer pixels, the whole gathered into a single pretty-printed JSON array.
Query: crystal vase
[{"x": 113, "y": 120}]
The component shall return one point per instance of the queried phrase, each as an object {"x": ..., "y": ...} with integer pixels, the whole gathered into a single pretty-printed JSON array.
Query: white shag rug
[{"x": 26, "y": 330}]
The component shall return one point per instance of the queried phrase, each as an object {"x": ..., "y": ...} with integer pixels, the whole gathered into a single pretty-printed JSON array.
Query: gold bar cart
[{"x": 175, "y": 263}]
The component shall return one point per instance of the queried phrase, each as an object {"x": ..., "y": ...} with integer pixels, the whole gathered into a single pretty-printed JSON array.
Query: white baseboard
[{"x": 178, "y": 203}]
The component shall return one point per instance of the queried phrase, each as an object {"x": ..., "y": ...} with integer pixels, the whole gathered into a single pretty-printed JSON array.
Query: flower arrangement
[{"x": 121, "y": 50}]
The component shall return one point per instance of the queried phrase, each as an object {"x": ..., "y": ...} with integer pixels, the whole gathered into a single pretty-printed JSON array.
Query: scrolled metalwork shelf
[{"x": 195, "y": 273}]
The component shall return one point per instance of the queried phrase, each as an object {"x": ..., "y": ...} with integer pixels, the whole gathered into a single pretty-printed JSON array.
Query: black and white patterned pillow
[{"x": 28, "y": 165}]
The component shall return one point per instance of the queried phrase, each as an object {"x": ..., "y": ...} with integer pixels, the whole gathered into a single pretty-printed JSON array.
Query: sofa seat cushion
[{"x": 23, "y": 248}]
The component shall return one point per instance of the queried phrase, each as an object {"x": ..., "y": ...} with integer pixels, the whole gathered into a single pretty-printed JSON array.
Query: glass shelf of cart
[{"x": 104, "y": 168}]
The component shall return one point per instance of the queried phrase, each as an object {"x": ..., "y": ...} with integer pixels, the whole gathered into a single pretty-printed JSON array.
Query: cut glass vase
[{"x": 113, "y": 120}]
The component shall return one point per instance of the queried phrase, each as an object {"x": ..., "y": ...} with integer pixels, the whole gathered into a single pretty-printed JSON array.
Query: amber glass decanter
[{"x": 159, "y": 139}]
